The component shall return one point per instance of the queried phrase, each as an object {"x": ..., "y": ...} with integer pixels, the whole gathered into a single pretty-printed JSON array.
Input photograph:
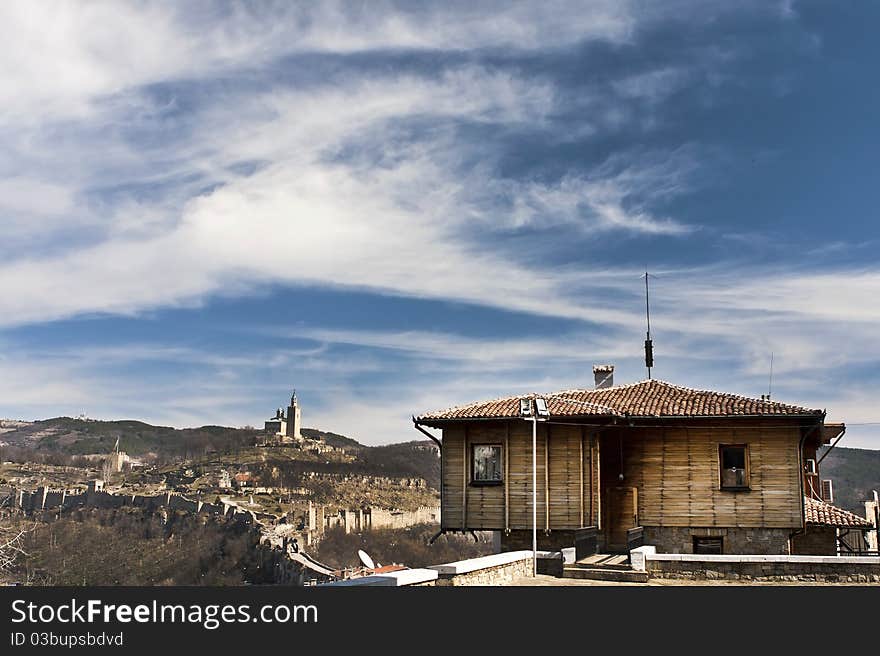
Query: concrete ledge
[
  {"x": 750, "y": 567},
  {"x": 638, "y": 557},
  {"x": 483, "y": 562},
  {"x": 747, "y": 558},
  {"x": 391, "y": 579}
]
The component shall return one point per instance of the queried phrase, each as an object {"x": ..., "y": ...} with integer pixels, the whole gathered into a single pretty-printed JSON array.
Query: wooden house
[{"x": 685, "y": 470}]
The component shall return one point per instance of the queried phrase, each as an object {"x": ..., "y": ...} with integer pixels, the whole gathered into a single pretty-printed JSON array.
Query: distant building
[
  {"x": 224, "y": 480},
  {"x": 117, "y": 458},
  {"x": 244, "y": 480},
  {"x": 872, "y": 515},
  {"x": 286, "y": 428},
  {"x": 276, "y": 425}
]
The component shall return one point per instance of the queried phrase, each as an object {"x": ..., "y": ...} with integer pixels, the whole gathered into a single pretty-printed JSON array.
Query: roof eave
[
  {"x": 434, "y": 422},
  {"x": 430, "y": 421}
]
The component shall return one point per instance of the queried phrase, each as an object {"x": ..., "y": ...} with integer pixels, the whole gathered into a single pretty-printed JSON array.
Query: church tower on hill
[{"x": 294, "y": 419}]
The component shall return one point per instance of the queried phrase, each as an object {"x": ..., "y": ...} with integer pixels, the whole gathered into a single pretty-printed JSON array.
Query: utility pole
[
  {"x": 535, "y": 494},
  {"x": 877, "y": 522},
  {"x": 649, "y": 345}
]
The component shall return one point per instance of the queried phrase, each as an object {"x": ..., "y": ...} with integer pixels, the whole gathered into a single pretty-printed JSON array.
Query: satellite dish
[{"x": 366, "y": 560}]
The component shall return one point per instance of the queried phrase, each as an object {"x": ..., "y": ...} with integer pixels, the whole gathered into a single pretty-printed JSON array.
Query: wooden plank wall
[
  {"x": 560, "y": 450},
  {"x": 677, "y": 474},
  {"x": 521, "y": 475},
  {"x": 453, "y": 466}
]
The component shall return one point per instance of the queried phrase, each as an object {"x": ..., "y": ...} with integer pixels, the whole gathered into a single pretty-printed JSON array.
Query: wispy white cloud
[
  {"x": 60, "y": 59},
  {"x": 608, "y": 202},
  {"x": 156, "y": 156},
  {"x": 304, "y": 211}
]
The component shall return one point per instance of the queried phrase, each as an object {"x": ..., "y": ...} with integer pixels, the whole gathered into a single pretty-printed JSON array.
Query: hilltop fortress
[{"x": 285, "y": 429}]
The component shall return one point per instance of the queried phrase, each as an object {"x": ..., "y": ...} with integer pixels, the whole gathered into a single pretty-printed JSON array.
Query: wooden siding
[
  {"x": 567, "y": 452},
  {"x": 676, "y": 473},
  {"x": 451, "y": 492}
]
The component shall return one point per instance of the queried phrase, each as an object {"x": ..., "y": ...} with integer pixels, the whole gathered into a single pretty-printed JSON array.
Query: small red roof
[
  {"x": 387, "y": 568},
  {"x": 647, "y": 398},
  {"x": 824, "y": 514}
]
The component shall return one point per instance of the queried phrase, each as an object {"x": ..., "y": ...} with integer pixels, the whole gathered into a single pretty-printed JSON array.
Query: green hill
[{"x": 855, "y": 472}]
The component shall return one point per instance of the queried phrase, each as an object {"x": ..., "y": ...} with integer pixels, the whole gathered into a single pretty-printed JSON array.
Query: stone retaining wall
[
  {"x": 497, "y": 569},
  {"x": 680, "y": 539},
  {"x": 498, "y": 575},
  {"x": 826, "y": 569},
  {"x": 815, "y": 541}
]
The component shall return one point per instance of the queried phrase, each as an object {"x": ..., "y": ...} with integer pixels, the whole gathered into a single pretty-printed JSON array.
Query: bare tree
[
  {"x": 12, "y": 540},
  {"x": 11, "y": 546},
  {"x": 106, "y": 470}
]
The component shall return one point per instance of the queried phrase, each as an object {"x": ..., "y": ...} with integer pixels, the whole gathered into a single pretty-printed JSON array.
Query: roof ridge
[
  {"x": 602, "y": 389},
  {"x": 729, "y": 394}
]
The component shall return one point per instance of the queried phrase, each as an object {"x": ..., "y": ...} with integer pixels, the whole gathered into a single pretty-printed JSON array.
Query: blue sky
[{"x": 396, "y": 207}]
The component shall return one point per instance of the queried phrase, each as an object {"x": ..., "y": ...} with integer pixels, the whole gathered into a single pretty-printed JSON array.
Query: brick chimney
[{"x": 604, "y": 375}]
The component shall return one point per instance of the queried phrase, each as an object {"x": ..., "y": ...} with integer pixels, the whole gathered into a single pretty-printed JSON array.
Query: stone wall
[
  {"x": 667, "y": 539},
  {"x": 680, "y": 539},
  {"x": 318, "y": 518},
  {"x": 381, "y": 518},
  {"x": 498, "y": 569},
  {"x": 816, "y": 541},
  {"x": 365, "y": 519},
  {"x": 826, "y": 569},
  {"x": 45, "y": 499},
  {"x": 500, "y": 575}
]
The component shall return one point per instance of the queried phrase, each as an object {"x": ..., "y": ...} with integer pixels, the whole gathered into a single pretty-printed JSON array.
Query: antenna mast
[
  {"x": 649, "y": 345},
  {"x": 770, "y": 386}
]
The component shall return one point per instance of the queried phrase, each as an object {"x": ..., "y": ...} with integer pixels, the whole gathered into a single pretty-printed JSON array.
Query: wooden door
[{"x": 621, "y": 514}]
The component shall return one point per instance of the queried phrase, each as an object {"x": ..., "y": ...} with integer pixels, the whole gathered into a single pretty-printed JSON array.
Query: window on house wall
[
  {"x": 734, "y": 466},
  {"x": 708, "y": 545},
  {"x": 486, "y": 466}
]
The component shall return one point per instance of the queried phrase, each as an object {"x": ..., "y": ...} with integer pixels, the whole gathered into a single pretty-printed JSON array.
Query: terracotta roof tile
[
  {"x": 647, "y": 398},
  {"x": 819, "y": 512}
]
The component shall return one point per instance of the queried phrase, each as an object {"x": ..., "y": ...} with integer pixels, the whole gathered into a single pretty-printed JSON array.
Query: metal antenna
[
  {"x": 649, "y": 347},
  {"x": 770, "y": 386}
]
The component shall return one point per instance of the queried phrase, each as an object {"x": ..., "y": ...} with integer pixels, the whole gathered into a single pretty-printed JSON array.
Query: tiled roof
[
  {"x": 819, "y": 512},
  {"x": 647, "y": 398}
]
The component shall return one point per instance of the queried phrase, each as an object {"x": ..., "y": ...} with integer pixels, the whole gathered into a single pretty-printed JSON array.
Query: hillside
[
  {"x": 131, "y": 546},
  {"x": 56, "y": 440},
  {"x": 78, "y": 436},
  {"x": 855, "y": 472},
  {"x": 333, "y": 439}
]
